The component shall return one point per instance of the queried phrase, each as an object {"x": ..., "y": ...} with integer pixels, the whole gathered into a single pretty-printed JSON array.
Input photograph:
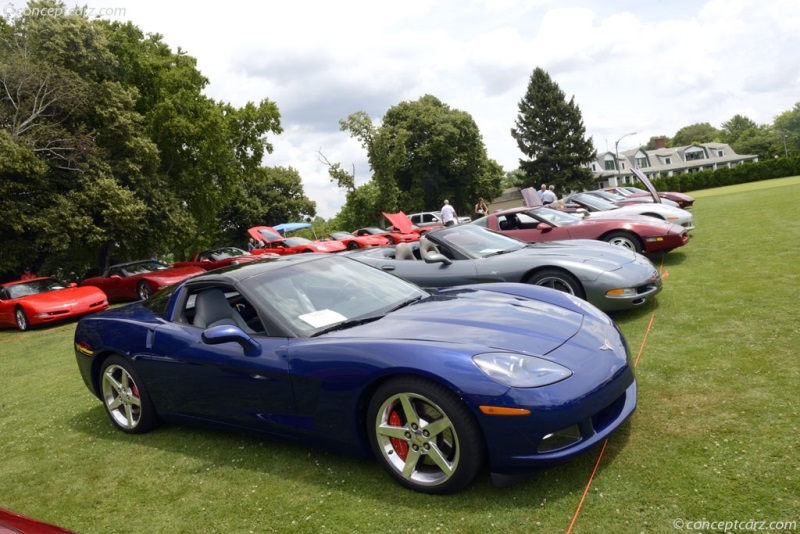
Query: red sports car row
[
  {"x": 219, "y": 257},
  {"x": 275, "y": 243}
]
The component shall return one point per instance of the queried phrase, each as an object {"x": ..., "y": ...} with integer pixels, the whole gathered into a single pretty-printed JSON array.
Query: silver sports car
[{"x": 610, "y": 277}]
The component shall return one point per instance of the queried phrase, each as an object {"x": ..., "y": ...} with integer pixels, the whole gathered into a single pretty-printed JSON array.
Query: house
[{"x": 664, "y": 161}]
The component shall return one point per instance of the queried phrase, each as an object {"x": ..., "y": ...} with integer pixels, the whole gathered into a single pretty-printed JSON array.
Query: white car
[
  {"x": 596, "y": 207},
  {"x": 432, "y": 218}
]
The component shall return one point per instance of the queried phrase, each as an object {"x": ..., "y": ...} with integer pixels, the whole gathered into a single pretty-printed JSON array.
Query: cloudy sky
[{"x": 642, "y": 66}]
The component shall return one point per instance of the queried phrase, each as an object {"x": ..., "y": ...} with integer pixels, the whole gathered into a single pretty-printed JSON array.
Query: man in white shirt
[
  {"x": 449, "y": 217},
  {"x": 549, "y": 196}
]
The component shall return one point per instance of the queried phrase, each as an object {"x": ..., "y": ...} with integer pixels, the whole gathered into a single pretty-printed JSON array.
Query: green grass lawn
[{"x": 715, "y": 436}]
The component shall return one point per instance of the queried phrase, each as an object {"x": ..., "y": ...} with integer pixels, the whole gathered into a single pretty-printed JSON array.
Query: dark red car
[
  {"x": 137, "y": 280},
  {"x": 540, "y": 224},
  {"x": 27, "y": 303},
  {"x": 275, "y": 243},
  {"x": 219, "y": 257}
]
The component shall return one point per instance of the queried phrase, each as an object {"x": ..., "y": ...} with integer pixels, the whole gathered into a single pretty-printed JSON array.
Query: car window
[{"x": 221, "y": 305}]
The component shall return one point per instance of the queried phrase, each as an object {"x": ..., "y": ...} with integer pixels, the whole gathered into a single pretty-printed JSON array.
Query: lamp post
[
  {"x": 616, "y": 152},
  {"x": 785, "y": 150}
]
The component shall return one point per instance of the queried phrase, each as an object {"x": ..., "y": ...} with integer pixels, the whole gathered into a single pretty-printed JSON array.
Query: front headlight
[{"x": 519, "y": 370}]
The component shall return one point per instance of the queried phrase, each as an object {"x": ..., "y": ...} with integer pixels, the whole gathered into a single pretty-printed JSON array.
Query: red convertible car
[
  {"x": 219, "y": 257},
  {"x": 27, "y": 303},
  {"x": 539, "y": 224},
  {"x": 277, "y": 244},
  {"x": 365, "y": 241},
  {"x": 137, "y": 280}
]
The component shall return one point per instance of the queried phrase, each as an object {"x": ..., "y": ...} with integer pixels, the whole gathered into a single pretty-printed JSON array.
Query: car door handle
[{"x": 387, "y": 267}]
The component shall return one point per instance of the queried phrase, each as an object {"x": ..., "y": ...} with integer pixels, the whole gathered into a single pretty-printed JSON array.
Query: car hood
[
  {"x": 400, "y": 221},
  {"x": 62, "y": 296},
  {"x": 582, "y": 249},
  {"x": 474, "y": 317},
  {"x": 651, "y": 222}
]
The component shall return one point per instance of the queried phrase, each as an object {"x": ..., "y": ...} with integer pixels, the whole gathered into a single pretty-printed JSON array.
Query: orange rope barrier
[{"x": 600, "y": 456}]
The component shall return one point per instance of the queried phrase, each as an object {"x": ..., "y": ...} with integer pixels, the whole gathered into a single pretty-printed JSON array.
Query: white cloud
[{"x": 649, "y": 67}]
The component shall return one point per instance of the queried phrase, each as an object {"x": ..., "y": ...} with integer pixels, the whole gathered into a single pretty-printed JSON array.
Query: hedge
[{"x": 743, "y": 173}]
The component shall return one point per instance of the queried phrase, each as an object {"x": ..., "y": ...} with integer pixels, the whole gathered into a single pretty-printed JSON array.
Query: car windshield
[
  {"x": 613, "y": 197},
  {"x": 297, "y": 241},
  {"x": 477, "y": 242},
  {"x": 34, "y": 287},
  {"x": 594, "y": 202},
  {"x": 554, "y": 217},
  {"x": 315, "y": 296},
  {"x": 636, "y": 190},
  {"x": 340, "y": 235},
  {"x": 144, "y": 267}
]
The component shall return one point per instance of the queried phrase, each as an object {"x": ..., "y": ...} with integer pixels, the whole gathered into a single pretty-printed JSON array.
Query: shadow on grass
[{"x": 213, "y": 448}]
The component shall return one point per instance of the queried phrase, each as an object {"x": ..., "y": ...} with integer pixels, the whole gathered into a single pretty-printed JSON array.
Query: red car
[
  {"x": 137, "y": 280},
  {"x": 352, "y": 242},
  {"x": 404, "y": 224},
  {"x": 12, "y": 523},
  {"x": 539, "y": 224},
  {"x": 277, "y": 244},
  {"x": 683, "y": 200},
  {"x": 27, "y": 303},
  {"x": 219, "y": 257}
]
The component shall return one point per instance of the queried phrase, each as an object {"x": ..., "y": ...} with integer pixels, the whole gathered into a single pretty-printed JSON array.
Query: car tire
[
  {"x": 125, "y": 397},
  {"x": 143, "y": 290},
  {"x": 442, "y": 462},
  {"x": 22, "y": 319},
  {"x": 352, "y": 245},
  {"x": 558, "y": 280},
  {"x": 624, "y": 239}
]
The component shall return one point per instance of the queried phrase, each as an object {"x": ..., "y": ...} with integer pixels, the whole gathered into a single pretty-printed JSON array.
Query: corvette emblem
[{"x": 606, "y": 346}]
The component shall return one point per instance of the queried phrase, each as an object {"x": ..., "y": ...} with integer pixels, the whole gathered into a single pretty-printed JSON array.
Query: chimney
[{"x": 661, "y": 142}]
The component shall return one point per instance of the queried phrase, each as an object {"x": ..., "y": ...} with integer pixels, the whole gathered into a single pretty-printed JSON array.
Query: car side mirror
[
  {"x": 226, "y": 333},
  {"x": 582, "y": 212},
  {"x": 73, "y": 284},
  {"x": 435, "y": 257}
]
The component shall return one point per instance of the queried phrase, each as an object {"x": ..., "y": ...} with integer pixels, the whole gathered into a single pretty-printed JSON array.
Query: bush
[{"x": 740, "y": 174}]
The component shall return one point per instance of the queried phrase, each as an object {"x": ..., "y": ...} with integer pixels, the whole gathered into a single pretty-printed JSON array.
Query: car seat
[
  {"x": 402, "y": 251},
  {"x": 427, "y": 247},
  {"x": 212, "y": 309}
]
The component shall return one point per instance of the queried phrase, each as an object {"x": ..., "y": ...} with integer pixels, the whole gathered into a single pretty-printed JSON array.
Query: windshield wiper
[
  {"x": 403, "y": 304},
  {"x": 347, "y": 324}
]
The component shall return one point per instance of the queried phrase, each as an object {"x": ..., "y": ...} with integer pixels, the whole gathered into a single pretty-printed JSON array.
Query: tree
[
  {"x": 695, "y": 133},
  {"x": 550, "y": 133},
  {"x": 787, "y": 129},
  {"x": 110, "y": 147},
  {"x": 423, "y": 153}
]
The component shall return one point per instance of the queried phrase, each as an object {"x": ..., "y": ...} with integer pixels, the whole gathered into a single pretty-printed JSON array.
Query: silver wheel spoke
[
  {"x": 408, "y": 410},
  {"x": 410, "y": 466},
  {"x": 390, "y": 431},
  {"x": 436, "y": 455},
  {"x": 439, "y": 426}
]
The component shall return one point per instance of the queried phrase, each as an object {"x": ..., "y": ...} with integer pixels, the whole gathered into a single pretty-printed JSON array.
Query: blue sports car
[{"x": 329, "y": 351}]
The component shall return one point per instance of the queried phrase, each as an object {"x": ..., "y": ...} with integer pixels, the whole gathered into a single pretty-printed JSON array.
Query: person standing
[
  {"x": 449, "y": 217},
  {"x": 27, "y": 274},
  {"x": 481, "y": 208},
  {"x": 549, "y": 196},
  {"x": 542, "y": 190}
]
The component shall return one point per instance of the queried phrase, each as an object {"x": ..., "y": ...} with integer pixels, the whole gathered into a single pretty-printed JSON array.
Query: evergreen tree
[{"x": 550, "y": 133}]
